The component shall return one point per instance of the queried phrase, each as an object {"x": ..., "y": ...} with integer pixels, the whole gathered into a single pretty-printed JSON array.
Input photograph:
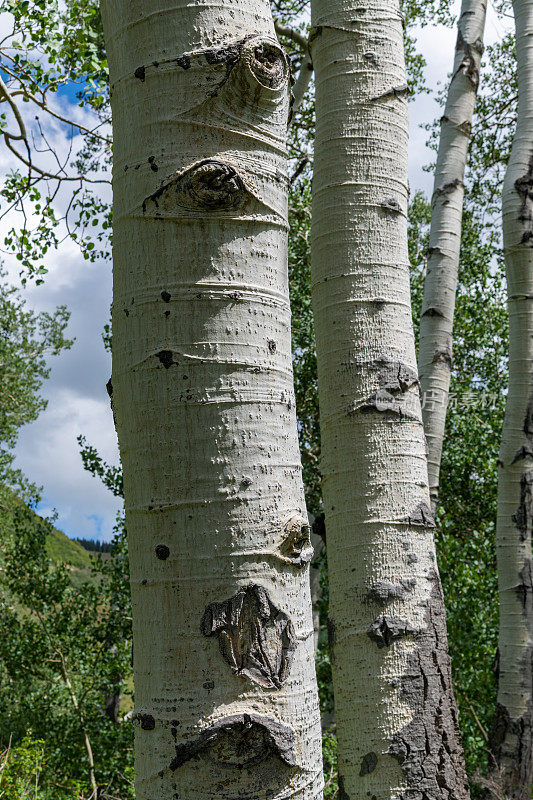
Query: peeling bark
[
  {"x": 436, "y": 325},
  {"x": 381, "y": 553},
  {"x": 204, "y": 404},
  {"x": 511, "y": 739}
]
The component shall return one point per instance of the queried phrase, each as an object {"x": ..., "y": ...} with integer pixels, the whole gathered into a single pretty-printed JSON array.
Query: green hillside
[{"x": 63, "y": 550}]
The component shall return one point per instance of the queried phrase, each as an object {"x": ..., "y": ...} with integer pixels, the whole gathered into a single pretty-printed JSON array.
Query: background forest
[{"x": 66, "y": 689}]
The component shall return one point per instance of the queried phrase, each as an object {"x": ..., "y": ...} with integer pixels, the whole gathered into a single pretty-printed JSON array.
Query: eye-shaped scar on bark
[
  {"x": 209, "y": 185},
  {"x": 296, "y": 547},
  {"x": 241, "y": 741},
  {"x": 256, "y": 639}
]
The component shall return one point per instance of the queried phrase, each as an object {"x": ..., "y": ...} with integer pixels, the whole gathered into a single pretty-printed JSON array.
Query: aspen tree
[
  {"x": 202, "y": 392},
  {"x": 395, "y": 711},
  {"x": 512, "y": 735},
  {"x": 440, "y": 286}
]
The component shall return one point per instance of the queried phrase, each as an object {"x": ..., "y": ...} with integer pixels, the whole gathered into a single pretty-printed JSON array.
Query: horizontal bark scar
[
  {"x": 384, "y": 592},
  {"x": 241, "y": 741},
  {"x": 421, "y": 515},
  {"x": 256, "y": 639},
  {"x": 386, "y": 630}
]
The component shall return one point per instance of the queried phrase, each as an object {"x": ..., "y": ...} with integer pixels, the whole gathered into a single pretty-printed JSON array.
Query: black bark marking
[
  {"x": 153, "y": 165},
  {"x": 166, "y": 296},
  {"x": 411, "y": 558},
  {"x": 147, "y": 722},
  {"x": 421, "y": 515},
  {"x": 241, "y": 741},
  {"x": 296, "y": 546},
  {"x": 256, "y": 639},
  {"x": 368, "y": 764},
  {"x": 525, "y": 451},
  {"x": 229, "y": 56},
  {"x": 432, "y": 312},
  {"x": 524, "y": 187},
  {"x": 272, "y": 346},
  {"x": 392, "y": 205},
  {"x": 166, "y": 358},
  {"x": 372, "y": 58},
  {"x": 109, "y": 388},
  {"x": 428, "y": 748},
  {"x": 184, "y": 61},
  {"x": 443, "y": 357},
  {"x": 140, "y": 73},
  {"x": 386, "y": 630},
  {"x": 396, "y": 91},
  {"x": 468, "y": 64},
  {"x": 384, "y": 592},
  {"x": 448, "y": 188},
  {"x": 394, "y": 381},
  {"x": 523, "y": 517},
  {"x": 435, "y": 251},
  {"x": 207, "y": 186},
  {"x": 162, "y": 552}
]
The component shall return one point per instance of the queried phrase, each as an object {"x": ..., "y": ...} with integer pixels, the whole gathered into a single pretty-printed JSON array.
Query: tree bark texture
[
  {"x": 202, "y": 391},
  {"x": 440, "y": 287},
  {"x": 512, "y": 735},
  {"x": 395, "y": 711}
]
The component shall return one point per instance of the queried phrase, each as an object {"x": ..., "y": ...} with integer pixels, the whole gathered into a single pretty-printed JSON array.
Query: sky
[{"x": 47, "y": 450}]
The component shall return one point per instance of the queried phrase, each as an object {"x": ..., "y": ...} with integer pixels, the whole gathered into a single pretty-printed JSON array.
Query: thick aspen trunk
[
  {"x": 512, "y": 735},
  {"x": 395, "y": 711},
  {"x": 440, "y": 287},
  {"x": 219, "y": 543}
]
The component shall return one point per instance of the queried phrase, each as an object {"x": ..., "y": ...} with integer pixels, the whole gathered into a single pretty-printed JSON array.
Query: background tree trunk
[
  {"x": 440, "y": 286},
  {"x": 202, "y": 390},
  {"x": 512, "y": 734},
  {"x": 395, "y": 711}
]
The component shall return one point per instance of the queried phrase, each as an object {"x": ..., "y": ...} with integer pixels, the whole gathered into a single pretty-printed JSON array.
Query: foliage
[
  {"x": 64, "y": 656},
  {"x": 27, "y": 340}
]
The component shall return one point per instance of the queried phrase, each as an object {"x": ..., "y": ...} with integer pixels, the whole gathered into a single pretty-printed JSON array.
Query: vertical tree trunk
[
  {"x": 440, "y": 287},
  {"x": 225, "y": 691},
  {"x": 395, "y": 711},
  {"x": 511, "y": 739}
]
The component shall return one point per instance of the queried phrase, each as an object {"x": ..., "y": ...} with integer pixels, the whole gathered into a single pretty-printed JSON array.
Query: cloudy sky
[{"x": 47, "y": 450}]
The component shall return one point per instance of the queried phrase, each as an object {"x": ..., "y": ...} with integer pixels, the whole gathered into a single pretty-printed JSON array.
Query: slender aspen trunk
[
  {"x": 512, "y": 735},
  {"x": 440, "y": 287},
  {"x": 395, "y": 711},
  {"x": 202, "y": 390}
]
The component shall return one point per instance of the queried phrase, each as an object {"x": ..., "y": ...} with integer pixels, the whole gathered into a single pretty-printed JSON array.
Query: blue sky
[{"x": 78, "y": 404}]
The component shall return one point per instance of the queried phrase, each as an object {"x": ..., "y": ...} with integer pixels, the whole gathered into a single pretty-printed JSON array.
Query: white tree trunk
[
  {"x": 202, "y": 390},
  {"x": 395, "y": 711},
  {"x": 440, "y": 286},
  {"x": 511, "y": 739}
]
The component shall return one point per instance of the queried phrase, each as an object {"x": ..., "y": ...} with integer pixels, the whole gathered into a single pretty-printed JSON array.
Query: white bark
[
  {"x": 440, "y": 286},
  {"x": 225, "y": 691},
  {"x": 511, "y": 739},
  {"x": 395, "y": 711}
]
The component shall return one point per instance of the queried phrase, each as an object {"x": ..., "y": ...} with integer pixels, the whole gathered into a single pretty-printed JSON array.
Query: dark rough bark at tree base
[
  {"x": 429, "y": 749},
  {"x": 511, "y": 741}
]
